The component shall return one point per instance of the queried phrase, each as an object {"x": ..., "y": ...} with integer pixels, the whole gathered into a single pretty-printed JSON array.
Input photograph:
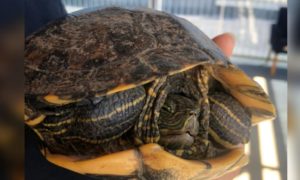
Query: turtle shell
[
  {"x": 111, "y": 50},
  {"x": 150, "y": 161},
  {"x": 114, "y": 49}
]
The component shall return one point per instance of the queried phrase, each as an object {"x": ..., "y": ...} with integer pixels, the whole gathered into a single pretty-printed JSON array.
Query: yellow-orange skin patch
[
  {"x": 35, "y": 121},
  {"x": 56, "y": 100}
]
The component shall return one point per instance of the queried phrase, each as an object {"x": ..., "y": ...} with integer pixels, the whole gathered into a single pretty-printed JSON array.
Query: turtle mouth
[
  {"x": 190, "y": 126},
  {"x": 183, "y": 137},
  {"x": 175, "y": 141},
  {"x": 187, "y": 134}
]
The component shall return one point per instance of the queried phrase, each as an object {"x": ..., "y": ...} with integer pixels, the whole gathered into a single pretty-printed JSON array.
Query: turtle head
[{"x": 178, "y": 121}]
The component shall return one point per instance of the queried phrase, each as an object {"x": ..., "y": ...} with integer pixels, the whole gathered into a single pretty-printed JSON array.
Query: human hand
[{"x": 226, "y": 43}]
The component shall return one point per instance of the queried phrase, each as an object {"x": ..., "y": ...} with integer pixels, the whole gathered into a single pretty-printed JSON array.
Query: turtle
[{"x": 138, "y": 93}]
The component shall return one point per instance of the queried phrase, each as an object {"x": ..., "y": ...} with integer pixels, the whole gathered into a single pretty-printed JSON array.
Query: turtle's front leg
[
  {"x": 202, "y": 78},
  {"x": 146, "y": 129}
]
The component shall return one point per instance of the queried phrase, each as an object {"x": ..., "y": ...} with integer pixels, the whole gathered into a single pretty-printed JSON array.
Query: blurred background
[{"x": 260, "y": 28}]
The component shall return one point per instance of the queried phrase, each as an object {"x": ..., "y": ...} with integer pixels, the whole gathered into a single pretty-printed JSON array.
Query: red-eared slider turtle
[{"x": 138, "y": 93}]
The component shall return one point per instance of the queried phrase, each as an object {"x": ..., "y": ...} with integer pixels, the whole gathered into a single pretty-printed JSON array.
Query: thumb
[{"x": 226, "y": 43}]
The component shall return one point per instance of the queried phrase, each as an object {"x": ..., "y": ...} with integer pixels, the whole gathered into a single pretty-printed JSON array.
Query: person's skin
[{"x": 226, "y": 43}]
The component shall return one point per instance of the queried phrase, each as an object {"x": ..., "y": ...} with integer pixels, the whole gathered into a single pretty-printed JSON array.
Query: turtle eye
[{"x": 167, "y": 108}]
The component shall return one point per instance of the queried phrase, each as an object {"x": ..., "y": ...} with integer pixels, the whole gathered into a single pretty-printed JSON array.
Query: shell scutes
[{"x": 94, "y": 53}]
